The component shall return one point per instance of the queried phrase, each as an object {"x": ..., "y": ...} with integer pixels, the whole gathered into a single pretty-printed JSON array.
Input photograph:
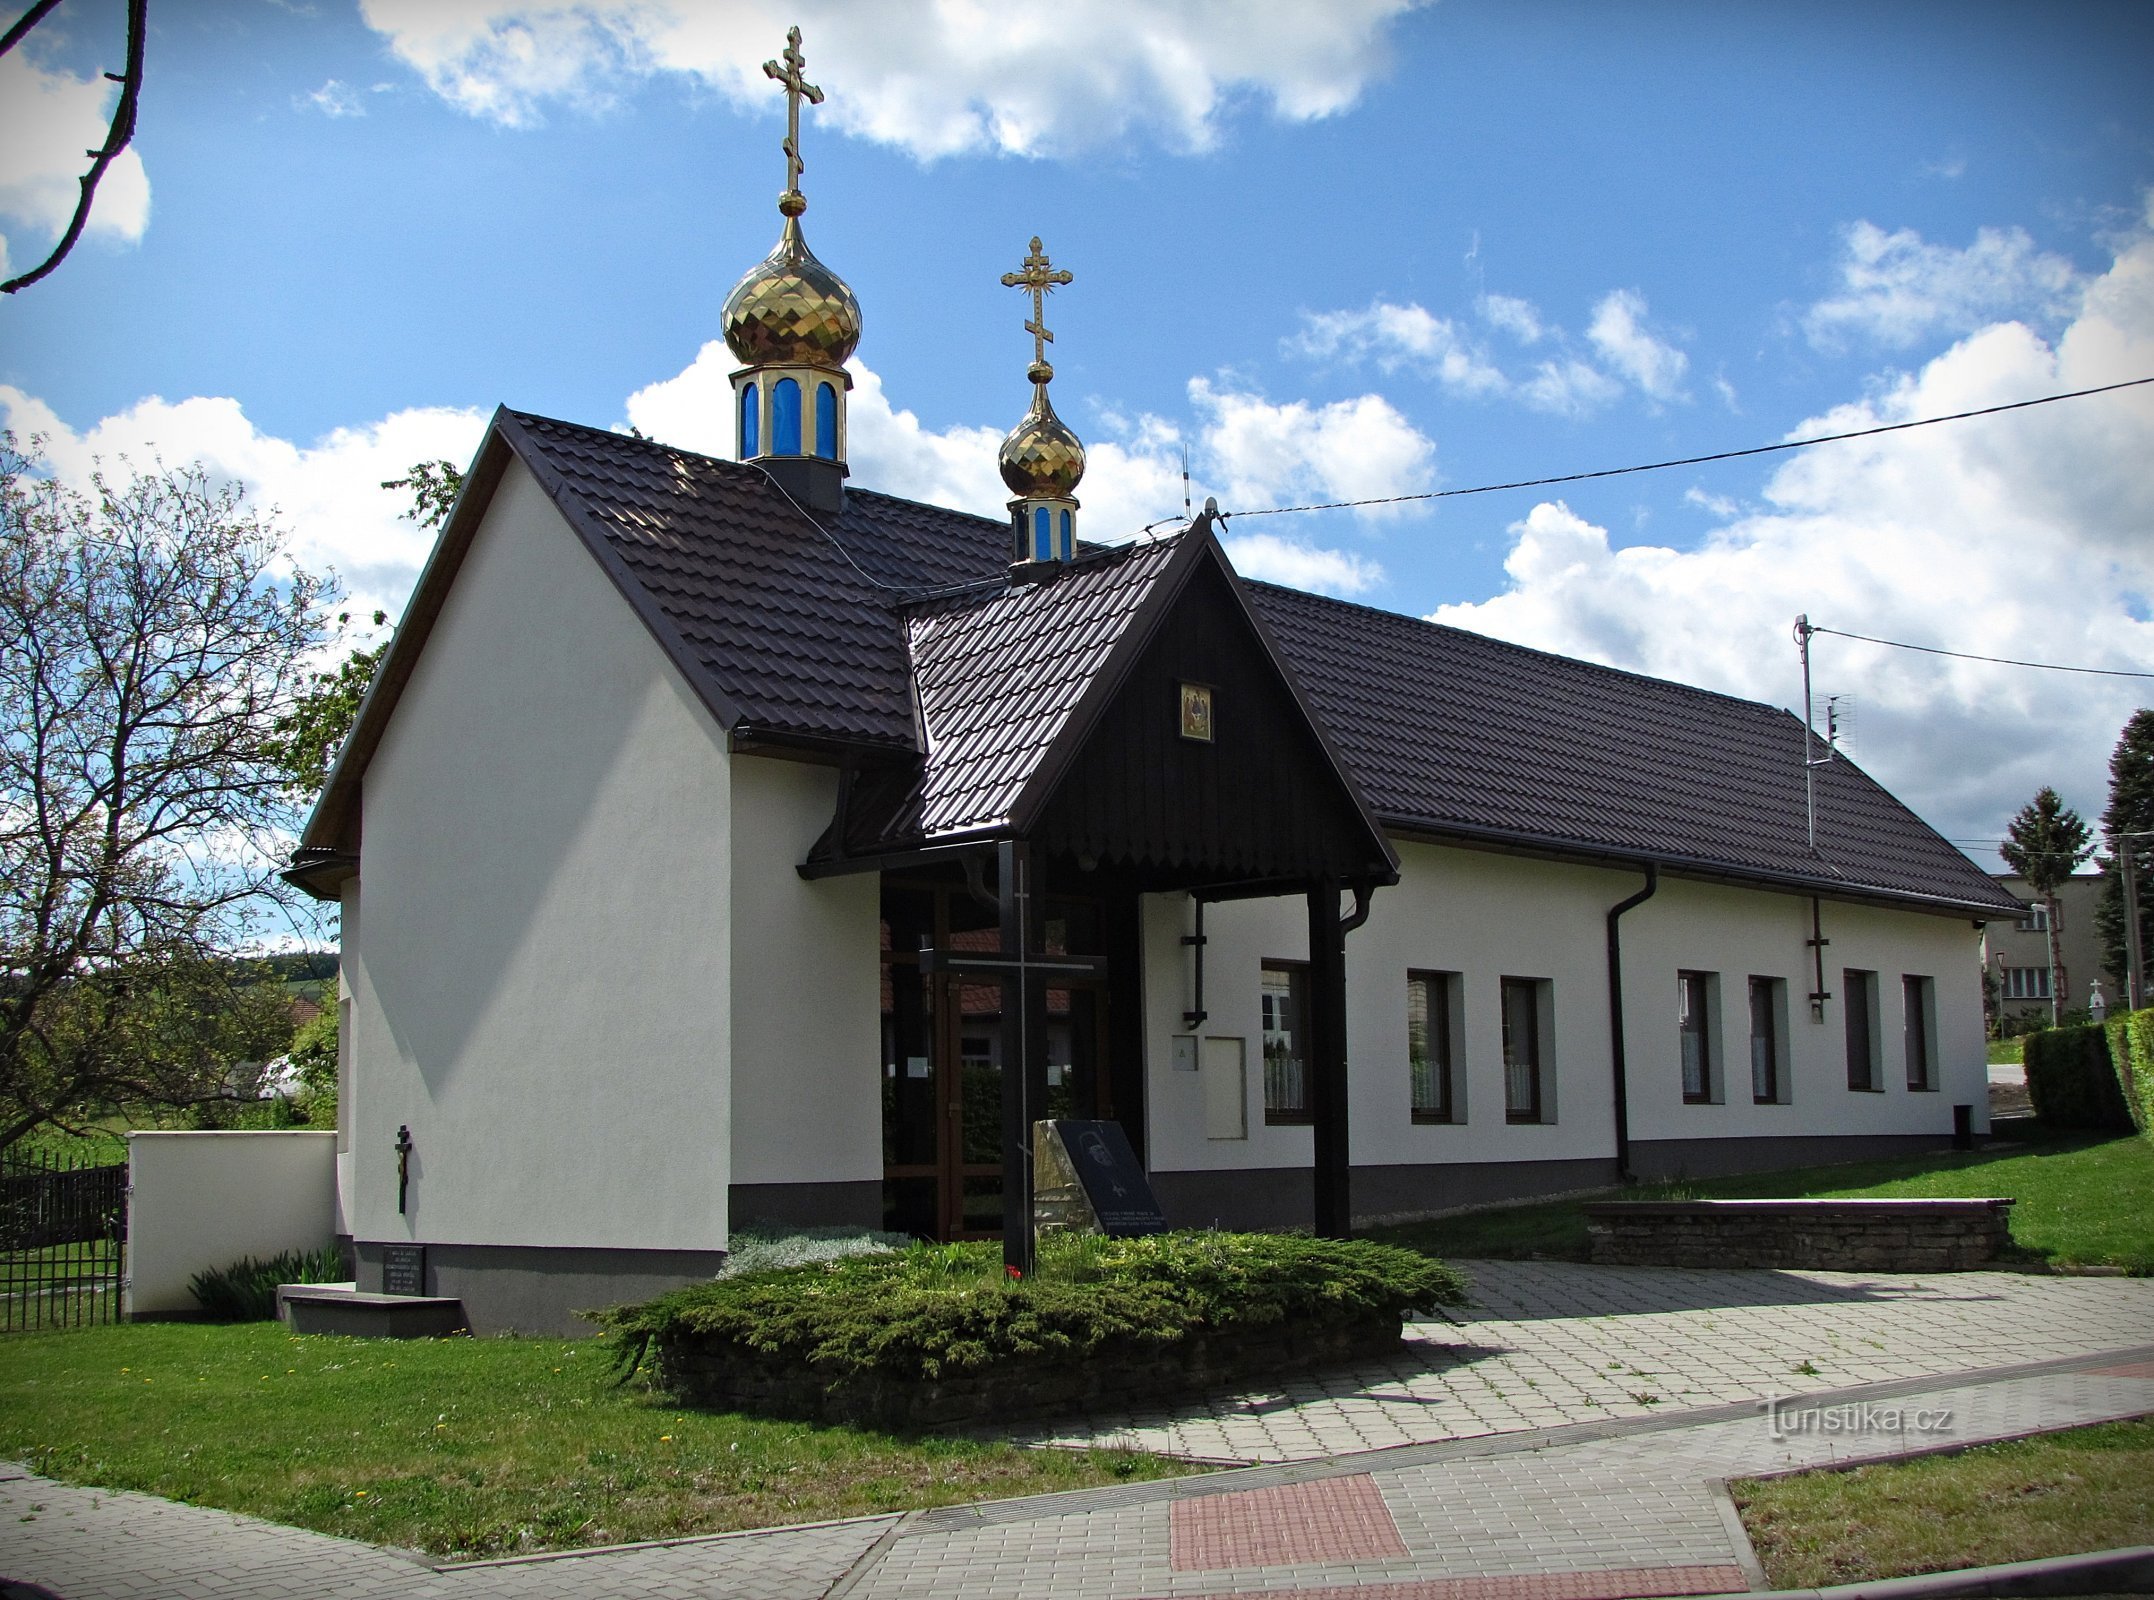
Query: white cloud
[
  {"x": 1567, "y": 387},
  {"x": 47, "y": 121},
  {"x": 1521, "y": 319},
  {"x": 1278, "y": 560},
  {"x": 327, "y": 495},
  {"x": 933, "y": 77},
  {"x": 2021, "y": 536},
  {"x": 1895, "y": 288},
  {"x": 1262, "y": 454},
  {"x": 1395, "y": 336},
  {"x": 334, "y": 99},
  {"x": 1618, "y": 332},
  {"x": 1562, "y": 383}
]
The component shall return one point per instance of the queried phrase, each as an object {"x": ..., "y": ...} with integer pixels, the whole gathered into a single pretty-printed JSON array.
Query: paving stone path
[{"x": 1508, "y": 1456}]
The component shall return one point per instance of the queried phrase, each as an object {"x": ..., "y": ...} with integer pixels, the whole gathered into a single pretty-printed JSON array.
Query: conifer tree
[
  {"x": 2043, "y": 843},
  {"x": 2131, "y": 810}
]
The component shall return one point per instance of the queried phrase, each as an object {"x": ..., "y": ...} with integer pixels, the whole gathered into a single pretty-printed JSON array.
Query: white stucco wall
[
  {"x": 200, "y": 1201},
  {"x": 807, "y": 995},
  {"x": 1486, "y": 917},
  {"x": 541, "y": 983}
]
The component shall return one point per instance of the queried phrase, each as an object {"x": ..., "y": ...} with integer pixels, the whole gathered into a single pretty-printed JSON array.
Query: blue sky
[{"x": 1342, "y": 250}]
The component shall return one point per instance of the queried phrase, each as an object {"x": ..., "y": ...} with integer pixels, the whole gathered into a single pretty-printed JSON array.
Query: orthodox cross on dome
[
  {"x": 797, "y": 88},
  {"x": 1038, "y": 280}
]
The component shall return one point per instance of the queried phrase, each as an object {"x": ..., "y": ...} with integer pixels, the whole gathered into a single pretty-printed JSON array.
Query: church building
[{"x": 724, "y": 845}]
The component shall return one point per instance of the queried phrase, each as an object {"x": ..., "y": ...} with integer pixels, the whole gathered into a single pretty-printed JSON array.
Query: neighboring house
[
  {"x": 2016, "y": 950},
  {"x": 679, "y": 835}
]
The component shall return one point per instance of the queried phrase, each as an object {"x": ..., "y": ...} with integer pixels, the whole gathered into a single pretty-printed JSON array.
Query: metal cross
[
  {"x": 797, "y": 88},
  {"x": 1038, "y": 280},
  {"x": 403, "y": 1167}
]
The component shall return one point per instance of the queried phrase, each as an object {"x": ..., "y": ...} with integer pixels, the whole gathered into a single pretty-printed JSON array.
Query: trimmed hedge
[
  {"x": 2072, "y": 1083},
  {"x": 2131, "y": 1053},
  {"x": 937, "y": 1333}
]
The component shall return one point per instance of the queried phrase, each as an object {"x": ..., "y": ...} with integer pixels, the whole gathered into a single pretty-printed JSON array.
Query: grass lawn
[
  {"x": 464, "y": 1447},
  {"x": 2056, "y": 1495},
  {"x": 2083, "y": 1202},
  {"x": 2006, "y": 1051}
]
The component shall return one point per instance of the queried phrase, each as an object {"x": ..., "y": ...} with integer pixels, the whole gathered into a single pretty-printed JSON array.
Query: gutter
[{"x": 1618, "y": 1059}]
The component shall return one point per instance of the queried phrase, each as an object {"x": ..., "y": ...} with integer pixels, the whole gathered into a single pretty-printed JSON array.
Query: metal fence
[{"x": 63, "y": 1223}]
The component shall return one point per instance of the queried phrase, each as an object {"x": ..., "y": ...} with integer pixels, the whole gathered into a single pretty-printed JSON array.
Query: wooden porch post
[
  {"x": 1024, "y": 1049},
  {"x": 1327, "y": 1061}
]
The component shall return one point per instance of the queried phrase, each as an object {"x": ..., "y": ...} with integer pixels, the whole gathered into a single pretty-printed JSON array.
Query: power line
[
  {"x": 2001, "y": 661},
  {"x": 1694, "y": 461}
]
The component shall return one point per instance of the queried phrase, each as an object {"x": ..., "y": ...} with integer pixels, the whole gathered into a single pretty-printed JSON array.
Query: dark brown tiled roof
[
  {"x": 1450, "y": 731},
  {"x": 998, "y": 677},
  {"x": 810, "y": 629},
  {"x": 790, "y": 616}
]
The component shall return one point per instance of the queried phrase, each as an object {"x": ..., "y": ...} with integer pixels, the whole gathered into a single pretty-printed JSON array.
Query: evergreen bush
[
  {"x": 937, "y": 1311},
  {"x": 2072, "y": 1083},
  {"x": 246, "y": 1291}
]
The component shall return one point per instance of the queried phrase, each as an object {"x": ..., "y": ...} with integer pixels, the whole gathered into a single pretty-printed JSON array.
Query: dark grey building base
[
  {"x": 1712, "y": 1158},
  {"x": 806, "y": 1205},
  {"x": 534, "y": 1289},
  {"x": 371, "y": 1316},
  {"x": 1284, "y": 1197}
]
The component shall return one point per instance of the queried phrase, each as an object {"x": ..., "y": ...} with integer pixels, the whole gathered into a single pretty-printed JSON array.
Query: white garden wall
[{"x": 199, "y": 1201}]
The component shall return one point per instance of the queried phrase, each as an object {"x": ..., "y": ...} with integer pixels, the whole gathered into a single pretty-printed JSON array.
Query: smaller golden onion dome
[
  {"x": 791, "y": 308},
  {"x": 1041, "y": 459}
]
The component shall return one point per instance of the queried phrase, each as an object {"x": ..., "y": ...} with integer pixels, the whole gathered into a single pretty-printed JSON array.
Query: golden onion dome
[
  {"x": 790, "y": 307},
  {"x": 1041, "y": 457}
]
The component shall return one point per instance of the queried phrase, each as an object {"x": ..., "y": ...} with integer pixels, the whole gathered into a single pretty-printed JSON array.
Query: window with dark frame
[
  {"x": 1428, "y": 1045},
  {"x": 1693, "y": 1023},
  {"x": 1917, "y": 1001},
  {"x": 1522, "y": 1049},
  {"x": 1765, "y": 1007},
  {"x": 1859, "y": 995},
  {"x": 1286, "y": 1035}
]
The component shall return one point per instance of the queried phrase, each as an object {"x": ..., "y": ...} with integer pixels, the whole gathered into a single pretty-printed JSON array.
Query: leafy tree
[
  {"x": 2131, "y": 810},
  {"x": 311, "y": 734},
  {"x": 150, "y": 639},
  {"x": 2043, "y": 843}
]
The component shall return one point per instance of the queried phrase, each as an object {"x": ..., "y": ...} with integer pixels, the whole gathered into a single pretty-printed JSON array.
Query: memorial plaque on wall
[
  {"x": 403, "y": 1269},
  {"x": 1112, "y": 1178}
]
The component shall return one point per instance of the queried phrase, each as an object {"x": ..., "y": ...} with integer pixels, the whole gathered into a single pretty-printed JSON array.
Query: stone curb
[{"x": 2128, "y": 1571}]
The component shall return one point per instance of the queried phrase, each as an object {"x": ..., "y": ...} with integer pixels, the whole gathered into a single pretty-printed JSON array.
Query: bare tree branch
[{"x": 116, "y": 137}]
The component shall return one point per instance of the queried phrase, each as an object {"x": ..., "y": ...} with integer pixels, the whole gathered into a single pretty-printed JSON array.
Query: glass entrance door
[{"x": 942, "y": 1067}]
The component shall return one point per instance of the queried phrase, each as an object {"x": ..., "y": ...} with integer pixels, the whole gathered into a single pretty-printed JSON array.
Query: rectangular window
[
  {"x": 1919, "y": 1029},
  {"x": 1522, "y": 1049},
  {"x": 1431, "y": 1022},
  {"x": 2026, "y": 983},
  {"x": 2036, "y": 920},
  {"x": 1858, "y": 992},
  {"x": 1694, "y": 1028},
  {"x": 1286, "y": 1041},
  {"x": 1768, "y": 1031}
]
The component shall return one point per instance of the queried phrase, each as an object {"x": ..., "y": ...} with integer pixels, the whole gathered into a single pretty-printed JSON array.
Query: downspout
[{"x": 1617, "y": 1057}]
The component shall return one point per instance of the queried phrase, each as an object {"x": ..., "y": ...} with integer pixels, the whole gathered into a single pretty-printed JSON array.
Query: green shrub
[
  {"x": 2131, "y": 1052},
  {"x": 939, "y": 1309},
  {"x": 2071, "y": 1082},
  {"x": 246, "y": 1291}
]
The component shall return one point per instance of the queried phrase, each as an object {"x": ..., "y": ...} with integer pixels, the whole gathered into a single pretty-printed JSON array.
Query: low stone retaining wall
[
  {"x": 733, "y": 1378},
  {"x": 1826, "y": 1235}
]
